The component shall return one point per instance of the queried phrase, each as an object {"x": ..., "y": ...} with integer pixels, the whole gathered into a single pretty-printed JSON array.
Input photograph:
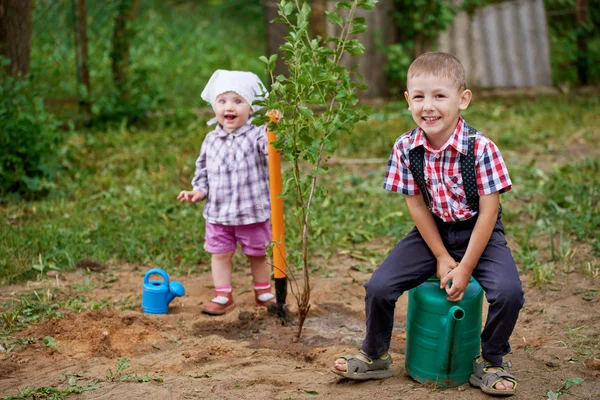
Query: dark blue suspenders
[{"x": 467, "y": 166}]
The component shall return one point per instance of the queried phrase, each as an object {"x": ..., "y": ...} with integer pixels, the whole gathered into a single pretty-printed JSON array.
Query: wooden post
[
  {"x": 122, "y": 32},
  {"x": 582, "y": 14},
  {"x": 15, "y": 34},
  {"x": 81, "y": 55}
]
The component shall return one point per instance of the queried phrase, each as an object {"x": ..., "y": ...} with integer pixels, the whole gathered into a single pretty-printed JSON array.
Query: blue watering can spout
[
  {"x": 455, "y": 314},
  {"x": 176, "y": 289}
]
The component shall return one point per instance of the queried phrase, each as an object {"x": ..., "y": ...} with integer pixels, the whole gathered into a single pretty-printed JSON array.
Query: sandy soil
[{"x": 249, "y": 354}]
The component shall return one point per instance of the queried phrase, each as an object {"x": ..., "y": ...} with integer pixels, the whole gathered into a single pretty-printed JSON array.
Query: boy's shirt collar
[
  {"x": 459, "y": 139},
  {"x": 239, "y": 131}
]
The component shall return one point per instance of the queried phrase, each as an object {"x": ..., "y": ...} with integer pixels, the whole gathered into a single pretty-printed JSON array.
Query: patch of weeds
[
  {"x": 85, "y": 286},
  {"x": 49, "y": 341},
  {"x": 565, "y": 387},
  {"x": 543, "y": 273},
  {"x": 130, "y": 302},
  {"x": 9, "y": 343},
  {"x": 122, "y": 365},
  {"x": 48, "y": 392},
  {"x": 141, "y": 378},
  {"x": 30, "y": 308}
]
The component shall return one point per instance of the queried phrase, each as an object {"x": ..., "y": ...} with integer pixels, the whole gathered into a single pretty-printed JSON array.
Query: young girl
[{"x": 232, "y": 174}]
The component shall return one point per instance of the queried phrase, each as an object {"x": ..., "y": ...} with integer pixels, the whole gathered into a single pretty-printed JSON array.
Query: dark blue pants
[{"x": 411, "y": 263}]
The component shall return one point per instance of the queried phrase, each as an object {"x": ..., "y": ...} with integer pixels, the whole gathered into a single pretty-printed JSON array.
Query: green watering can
[{"x": 442, "y": 337}]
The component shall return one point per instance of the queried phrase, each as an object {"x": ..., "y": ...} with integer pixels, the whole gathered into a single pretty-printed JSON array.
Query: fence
[{"x": 503, "y": 45}]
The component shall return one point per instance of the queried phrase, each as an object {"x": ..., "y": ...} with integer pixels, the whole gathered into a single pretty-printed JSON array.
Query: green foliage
[
  {"x": 29, "y": 140},
  {"x": 48, "y": 392},
  {"x": 122, "y": 365},
  {"x": 176, "y": 47},
  {"x": 419, "y": 23},
  {"x": 564, "y": 33},
  {"x": 115, "y": 197},
  {"x": 315, "y": 80}
]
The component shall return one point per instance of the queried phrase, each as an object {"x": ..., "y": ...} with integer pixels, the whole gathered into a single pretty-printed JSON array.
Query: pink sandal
[
  {"x": 220, "y": 304},
  {"x": 264, "y": 297}
]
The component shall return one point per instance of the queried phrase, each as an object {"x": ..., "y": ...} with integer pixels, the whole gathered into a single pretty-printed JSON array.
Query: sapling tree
[{"x": 319, "y": 105}]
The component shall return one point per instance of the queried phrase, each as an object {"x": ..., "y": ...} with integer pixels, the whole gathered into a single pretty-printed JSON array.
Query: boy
[{"x": 456, "y": 234}]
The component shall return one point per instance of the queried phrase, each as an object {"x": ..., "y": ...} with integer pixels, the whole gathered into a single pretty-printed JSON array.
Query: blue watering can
[{"x": 156, "y": 295}]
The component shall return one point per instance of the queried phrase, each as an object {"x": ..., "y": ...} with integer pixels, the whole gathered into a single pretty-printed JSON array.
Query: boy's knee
[
  {"x": 510, "y": 293},
  {"x": 377, "y": 289}
]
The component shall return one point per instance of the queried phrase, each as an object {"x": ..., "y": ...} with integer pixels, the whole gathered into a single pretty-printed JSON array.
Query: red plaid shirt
[{"x": 442, "y": 171}]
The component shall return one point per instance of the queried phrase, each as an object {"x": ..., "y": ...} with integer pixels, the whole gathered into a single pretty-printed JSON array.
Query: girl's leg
[
  {"x": 261, "y": 271},
  {"x": 220, "y": 267},
  {"x": 261, "y": 274},
  {"x": 221, "y": 273},
  {"x": 253, "y": 239}
]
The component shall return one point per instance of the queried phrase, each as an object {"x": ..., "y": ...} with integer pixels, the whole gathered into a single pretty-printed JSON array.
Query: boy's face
[
  {"x": 232, "y": 111},
  {"x": 435, "y": 104}
]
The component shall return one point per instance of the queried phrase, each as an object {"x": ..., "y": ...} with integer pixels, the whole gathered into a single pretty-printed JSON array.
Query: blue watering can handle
[{"x": 157, "y": 271}]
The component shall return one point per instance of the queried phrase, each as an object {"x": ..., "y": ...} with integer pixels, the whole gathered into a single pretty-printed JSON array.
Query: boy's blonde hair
[{"x": 438, "y": 64}]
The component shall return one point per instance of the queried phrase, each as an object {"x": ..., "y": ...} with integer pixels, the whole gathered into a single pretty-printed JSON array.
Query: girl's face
[{"x": 232, "y": 111}]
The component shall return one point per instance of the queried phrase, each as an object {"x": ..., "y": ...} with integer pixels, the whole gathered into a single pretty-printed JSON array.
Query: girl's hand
[{"x": 193, "y": 196}]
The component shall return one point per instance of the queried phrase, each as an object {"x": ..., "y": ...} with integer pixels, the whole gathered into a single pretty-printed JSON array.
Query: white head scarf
[{"x": 245, "y": 84}]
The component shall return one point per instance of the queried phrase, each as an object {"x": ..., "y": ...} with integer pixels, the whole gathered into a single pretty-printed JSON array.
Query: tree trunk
[
  {"x": 318, "y": 20},
  {"x": 583, "y": 19},
  {"x": 15, "y": 34},
  {"x": 276, "y": 33},
  {"x": 381, "y": 32},
  {"x": 81, "y": 55},
  {"x": 122, "y": 33}
]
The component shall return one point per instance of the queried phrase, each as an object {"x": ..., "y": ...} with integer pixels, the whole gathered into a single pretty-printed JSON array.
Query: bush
[{"x": 29, "y": 140}]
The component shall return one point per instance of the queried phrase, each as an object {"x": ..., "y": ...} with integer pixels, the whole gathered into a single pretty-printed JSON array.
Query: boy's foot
[
  {"x": 219, "y": 305},
  {"x": 264, "y": 297},
  {"x": 362, "y": 367},
  {"x": 491, "y": 379}
]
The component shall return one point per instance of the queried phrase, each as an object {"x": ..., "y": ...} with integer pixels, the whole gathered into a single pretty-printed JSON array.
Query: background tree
[
  {"x": 123, "y": 32},
  {"x": 15, "y": 34}
]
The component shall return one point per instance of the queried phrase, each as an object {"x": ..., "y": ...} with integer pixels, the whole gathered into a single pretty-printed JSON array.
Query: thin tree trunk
[
  {"x": 275, "y": 35},
  {"x": 318, "y": 20},
  {"x": 583, "y": 18},
  {"x": 15, "y": 34},
  {"x": 81, "y": 55},
  {"x": 122, "y": 33}
]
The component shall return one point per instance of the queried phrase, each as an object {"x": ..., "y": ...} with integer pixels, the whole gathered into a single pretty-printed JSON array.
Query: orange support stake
[{"x": 279, "y": 265}]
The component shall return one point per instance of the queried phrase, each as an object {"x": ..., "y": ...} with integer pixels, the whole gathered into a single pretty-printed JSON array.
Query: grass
[{"x": 114, "y": 200}]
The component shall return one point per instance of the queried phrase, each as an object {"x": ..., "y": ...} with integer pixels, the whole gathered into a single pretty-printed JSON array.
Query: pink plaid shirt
[{"x": 442, "y": 171}]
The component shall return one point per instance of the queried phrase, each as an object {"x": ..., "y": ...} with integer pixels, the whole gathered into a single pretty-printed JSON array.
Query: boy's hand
[
  {"x": 445, "y": 264},
  {"x": 193, "y": 196},
  {"x": 460, "y": 279}
]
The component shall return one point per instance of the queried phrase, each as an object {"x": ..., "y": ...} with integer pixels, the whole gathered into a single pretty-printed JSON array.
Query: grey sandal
[
  {"x": 486, "y": 381},
  {"x": 361, "y": 367}
]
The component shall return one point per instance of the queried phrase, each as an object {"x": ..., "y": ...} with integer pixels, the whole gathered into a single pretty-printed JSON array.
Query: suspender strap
[
  {"x": 469, "y": 174},
  {"x": 416, "y": 157}
]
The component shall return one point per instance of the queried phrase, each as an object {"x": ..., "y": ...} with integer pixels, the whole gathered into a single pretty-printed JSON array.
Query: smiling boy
[{"x": 452, "y": 176}]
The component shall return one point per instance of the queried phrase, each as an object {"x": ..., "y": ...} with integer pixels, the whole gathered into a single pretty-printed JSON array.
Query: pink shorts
[{"x": 253, "y": 238}]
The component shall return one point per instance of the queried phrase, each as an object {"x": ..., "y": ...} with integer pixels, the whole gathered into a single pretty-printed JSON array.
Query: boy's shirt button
[{"x": 445, "y": 214}]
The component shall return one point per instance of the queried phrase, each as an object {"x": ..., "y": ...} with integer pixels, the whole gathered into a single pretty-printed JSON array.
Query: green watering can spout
[{"x": 450, "y": 341}]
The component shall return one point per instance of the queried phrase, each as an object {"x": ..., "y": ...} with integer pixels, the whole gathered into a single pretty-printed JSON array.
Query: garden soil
[{"x": 250, "y": 354}]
